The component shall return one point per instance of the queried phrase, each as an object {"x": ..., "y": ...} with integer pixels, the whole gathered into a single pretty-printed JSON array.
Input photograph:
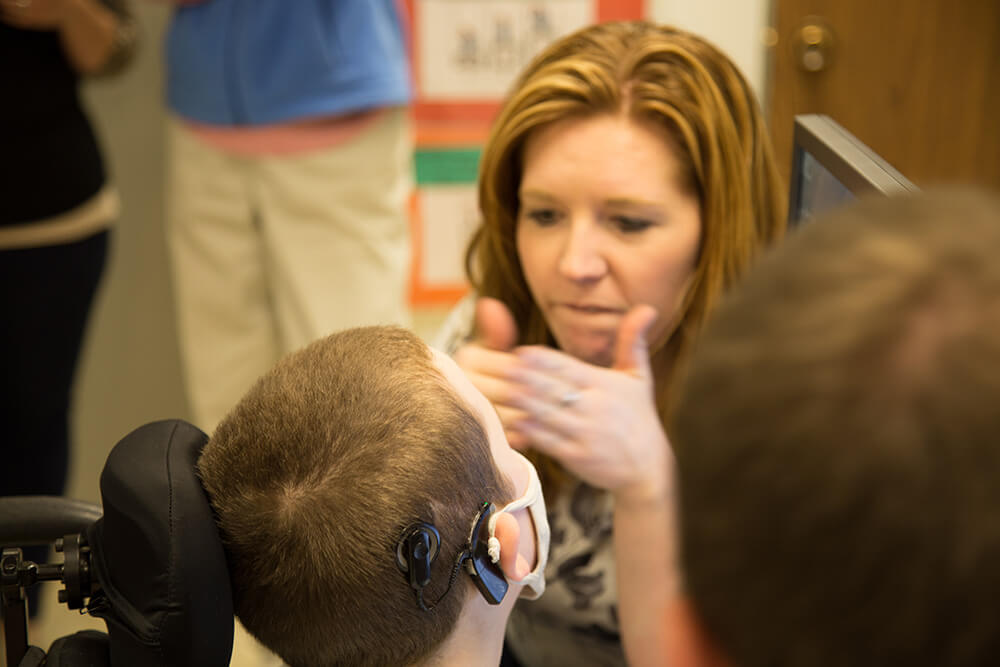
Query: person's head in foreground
[
  {"x": 629, "y": 165},
  {"x": 838, "y": 447},
  {"x": 357, "y": 487}
]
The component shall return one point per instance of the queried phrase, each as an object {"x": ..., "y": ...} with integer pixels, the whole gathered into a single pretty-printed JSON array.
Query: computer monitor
[{"x": 830, "y": 167}]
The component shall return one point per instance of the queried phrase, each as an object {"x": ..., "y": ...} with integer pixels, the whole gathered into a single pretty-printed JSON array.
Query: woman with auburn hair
[{"x": 628, "y": 181}]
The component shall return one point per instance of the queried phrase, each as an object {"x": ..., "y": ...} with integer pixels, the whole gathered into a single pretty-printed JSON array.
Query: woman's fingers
[
  {"x": 542, "y": 385},
  {"x": 488, "y": 370},
  {"x": 600, "y": 423},
  {"x": 496, "y": 390},
  {"x": 474, "y": 358},
  {"x": 631, "y": 349},
  {"x": 495, "y": 326},
  {"x": 555, "y": 418},
  {"x": 546, "y": 441},
  {"x": 555, "y": 364},
  {"x": 510, "y": 418}
]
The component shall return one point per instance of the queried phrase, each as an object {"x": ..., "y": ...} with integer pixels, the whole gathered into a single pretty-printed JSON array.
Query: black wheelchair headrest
[{"x": 158, "y": 556}]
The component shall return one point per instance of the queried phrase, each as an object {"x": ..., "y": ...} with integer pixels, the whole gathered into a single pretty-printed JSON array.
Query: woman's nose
[{"x": 582, "y": 257}]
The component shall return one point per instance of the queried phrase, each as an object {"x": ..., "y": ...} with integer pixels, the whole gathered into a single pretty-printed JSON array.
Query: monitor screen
[{"x": 830, "y": 167}]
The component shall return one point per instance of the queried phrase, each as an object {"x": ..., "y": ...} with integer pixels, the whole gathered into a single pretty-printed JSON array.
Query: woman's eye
[
  {"x": 630, "y": 225},
  {"x": 542, "y": 216}
]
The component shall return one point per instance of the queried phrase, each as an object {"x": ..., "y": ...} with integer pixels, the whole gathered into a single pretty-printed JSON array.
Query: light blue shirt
[{"x": 252, "y": 62}]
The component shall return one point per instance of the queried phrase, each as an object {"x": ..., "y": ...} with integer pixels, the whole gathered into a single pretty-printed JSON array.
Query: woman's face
[{"x": 603, "y": 225}]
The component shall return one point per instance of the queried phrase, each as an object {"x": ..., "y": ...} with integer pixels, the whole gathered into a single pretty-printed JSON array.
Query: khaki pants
[{"x": 271, "y": 252}]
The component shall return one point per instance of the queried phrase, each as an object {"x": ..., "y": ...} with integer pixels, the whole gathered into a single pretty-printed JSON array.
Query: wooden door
[{"x": 916, "y": 80}]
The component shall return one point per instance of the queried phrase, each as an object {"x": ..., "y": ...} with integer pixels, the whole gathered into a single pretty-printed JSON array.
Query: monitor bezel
[{"x": 845, "y": 156}]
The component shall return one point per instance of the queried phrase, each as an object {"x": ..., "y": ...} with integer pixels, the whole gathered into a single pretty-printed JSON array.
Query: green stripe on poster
[{"x": 447, "y": 165}]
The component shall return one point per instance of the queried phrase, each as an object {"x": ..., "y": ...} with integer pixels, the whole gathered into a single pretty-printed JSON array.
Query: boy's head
[
  {"x": 317, "y": 472},
  {"x": 838, "y": 445}
]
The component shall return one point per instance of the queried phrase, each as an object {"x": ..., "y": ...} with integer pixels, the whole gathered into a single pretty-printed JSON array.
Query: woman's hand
[
  {"x": 599, "y": 423},
  {"x": 489, "y": 362}
]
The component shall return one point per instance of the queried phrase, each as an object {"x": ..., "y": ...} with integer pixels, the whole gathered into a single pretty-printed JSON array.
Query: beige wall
[
  {"x": 129, "y": 373},
  {"x": 734, "y": 26}
]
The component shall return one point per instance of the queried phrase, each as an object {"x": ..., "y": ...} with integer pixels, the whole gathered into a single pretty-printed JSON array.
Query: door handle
[{"x": 814, "y": 44}]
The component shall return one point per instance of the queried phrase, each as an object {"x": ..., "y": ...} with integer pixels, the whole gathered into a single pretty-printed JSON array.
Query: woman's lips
[
  {"x": 590, "y": 309},
  {"x": 586, "y": 331},
  {"x": 587, "y": 318}
]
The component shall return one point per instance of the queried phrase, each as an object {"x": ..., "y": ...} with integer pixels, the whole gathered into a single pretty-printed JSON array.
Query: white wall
[
  {"x": 129, "y": 371},
  {"x": 735, "y": 26}
]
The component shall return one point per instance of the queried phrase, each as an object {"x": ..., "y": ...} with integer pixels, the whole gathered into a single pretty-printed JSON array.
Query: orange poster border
[{"x": 421, "y": 293}]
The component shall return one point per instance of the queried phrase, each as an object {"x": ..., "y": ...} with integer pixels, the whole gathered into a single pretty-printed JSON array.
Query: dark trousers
[{"x": 46, "y": 295}]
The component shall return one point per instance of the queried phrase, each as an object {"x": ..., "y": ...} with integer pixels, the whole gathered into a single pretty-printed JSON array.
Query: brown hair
[
  {"x": 837, "y": 444},
  {"x": 675, "y": 81},
  {"x": 315, "y": 474}
]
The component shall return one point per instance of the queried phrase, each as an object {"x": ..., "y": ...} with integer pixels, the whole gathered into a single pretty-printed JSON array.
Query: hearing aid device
[
  {"x": 486, "y": 574},
  {"x": 420, "y": 543}
]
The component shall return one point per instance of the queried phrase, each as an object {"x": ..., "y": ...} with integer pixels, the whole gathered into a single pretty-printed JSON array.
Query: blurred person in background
[
  {"x": 57, "y": 205},
  {"x": 289, "y": 170}
]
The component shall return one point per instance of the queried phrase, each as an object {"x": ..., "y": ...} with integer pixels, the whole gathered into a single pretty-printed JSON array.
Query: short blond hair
[{"x": 315, "y": 474}]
